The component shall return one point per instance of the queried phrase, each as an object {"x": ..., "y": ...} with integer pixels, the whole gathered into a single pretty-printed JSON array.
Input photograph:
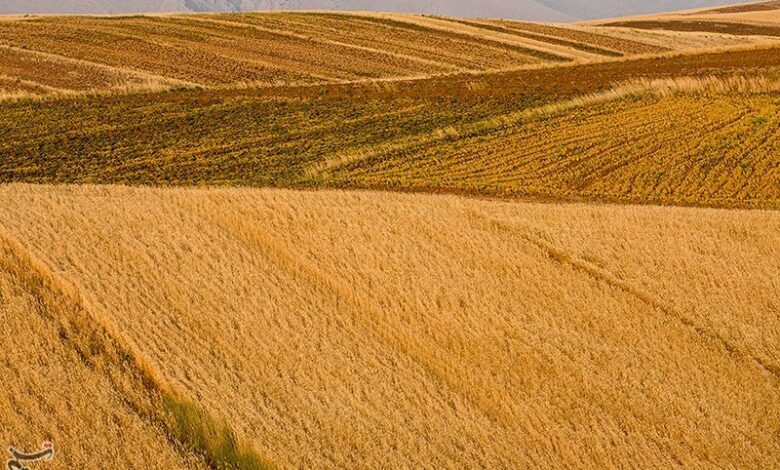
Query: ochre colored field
[
  {"x": 51, "y": 74},
  {"x": 316, "y": 324},
  {"x": 61, "y": 384},
  {"x": 340, "y": 329},
  {"x": 738, "y": 29},
  {"x": 266, "y": 49},
  {"x": 771, "y": 5},
  {"x": 599, "y": 41}
]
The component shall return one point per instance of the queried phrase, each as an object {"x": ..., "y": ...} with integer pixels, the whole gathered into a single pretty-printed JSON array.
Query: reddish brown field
[
  {"x": 737, "y": 29},
  {"x": 751, "y": 7}
]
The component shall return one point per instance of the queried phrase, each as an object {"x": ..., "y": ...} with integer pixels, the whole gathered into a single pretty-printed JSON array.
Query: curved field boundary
[
  {"x": 573, "y": 33},
  {"x": 325, "y": 42},
  {"x": 735, "y": 29},
  {"x": 579, "y": 46},
  {"x": 749, "y": 8},
  {"x": 542, "y": 50},
  {"x": 546, "y": 83},
  {"x": 340, "y": 327}
]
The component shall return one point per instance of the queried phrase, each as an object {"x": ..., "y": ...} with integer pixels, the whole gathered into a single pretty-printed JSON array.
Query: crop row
[
  {"x": 262, "y": 49},
  {"x": 700, "y": 149},
  {"x": 737, "y": 29},
  {"x": 683, "y": 150},
  {"x": 45, "y": 72},
  {"x": 598, "y": 40}
]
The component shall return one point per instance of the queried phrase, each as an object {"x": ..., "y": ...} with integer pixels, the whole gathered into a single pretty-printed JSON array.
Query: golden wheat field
[
  {"x": 370, "y": 240},
  {"x": 52, "y": 379},
  {"x": 340, "y": 329}
]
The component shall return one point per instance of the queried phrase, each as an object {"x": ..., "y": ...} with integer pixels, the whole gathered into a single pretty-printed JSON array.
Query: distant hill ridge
[{"x": 539, "y": 10}]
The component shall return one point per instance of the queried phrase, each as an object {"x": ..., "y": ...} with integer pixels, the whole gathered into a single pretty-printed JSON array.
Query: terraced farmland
[{"x": 336, "y": 329}]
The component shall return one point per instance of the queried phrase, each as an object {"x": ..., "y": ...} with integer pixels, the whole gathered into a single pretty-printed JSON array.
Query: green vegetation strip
[
  {"x": 218, "y": 443},
  {"x": 187, "y": 424}
]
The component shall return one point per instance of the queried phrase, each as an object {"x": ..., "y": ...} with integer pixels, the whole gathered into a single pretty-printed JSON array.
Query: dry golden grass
[
  {"x": 247, "y": 328},
  {"x": 363, "y": 330},
  {"x": 60, "y": 385}
]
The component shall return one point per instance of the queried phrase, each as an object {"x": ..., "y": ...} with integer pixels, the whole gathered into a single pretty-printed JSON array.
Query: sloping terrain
[
  {"x": 340, "y": 329},
  {"x": 756, "y": 18},
  {"x": 301, "y": 321},
  {"x": 629, "y": 150},
  {"x": 266, "y": 49},
  {"x": 62, "y": 383},
  {"x": 392, "y": 101},
  {"x": 625, "y": 131},
  {"x": 80, "y": 55}
]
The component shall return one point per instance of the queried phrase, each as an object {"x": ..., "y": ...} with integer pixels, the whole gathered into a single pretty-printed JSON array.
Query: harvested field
[
  {"x": 597, "y": 41},
  {"x": 265, "y": 49},
  {"x": 325, "y": 240},
  {"x": 736, "y": 29},
  {"x": 630, "y": 150},
  {"x": 99, "y": 54},
  {"x": 11, "y": 86},
  {"x": 476, "y": 135},
  {"x": 750, "y": 7},
  {"x": 401, "y": 35},
  {"x": 46, "y": 73},
  {"x": 334, "y": 329}
]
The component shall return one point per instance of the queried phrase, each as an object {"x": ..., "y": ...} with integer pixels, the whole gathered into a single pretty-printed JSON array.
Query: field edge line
[{"x": 186, "y": 425}]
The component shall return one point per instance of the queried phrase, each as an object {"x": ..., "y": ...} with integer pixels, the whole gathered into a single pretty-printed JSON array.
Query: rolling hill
[
  {"x": 433, "y": 104},
  {"x": 336, "y": 329},
  {"x": 368, "y": 240}
]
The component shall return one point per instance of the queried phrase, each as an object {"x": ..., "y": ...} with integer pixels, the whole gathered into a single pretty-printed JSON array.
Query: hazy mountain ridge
[{"x": 539, "y": 10}]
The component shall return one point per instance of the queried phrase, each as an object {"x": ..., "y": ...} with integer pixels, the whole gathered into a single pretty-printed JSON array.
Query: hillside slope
[
  {"x": 84, "y": 55},
  {"x": 396, "y": 102},
  {"x": 61, "y": 384},
  {"x": 337, "y": 329},
  {"x": 627, "y": 131}
]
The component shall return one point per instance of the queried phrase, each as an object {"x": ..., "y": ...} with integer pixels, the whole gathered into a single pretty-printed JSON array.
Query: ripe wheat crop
[
  {"x": 317, "y": 324},
  {"x": 60, "y": 384},
  {"x": 338, "y": 329}
]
